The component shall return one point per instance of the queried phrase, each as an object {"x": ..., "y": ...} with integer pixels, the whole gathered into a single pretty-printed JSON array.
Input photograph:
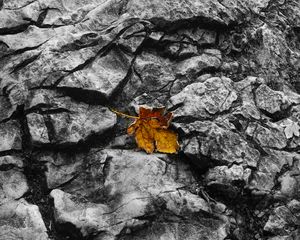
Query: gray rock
[
  {"x": 134, "y": 193},
  {"x": 11, "y": 160},
  {"x": 221, "y": 13},
  {"x": 269, "y": 167},
  {"x": 220, "y": 144},
  {"x": 81, "y": 174},
  {"x": 21, "y": 220},
  {"x": 270, "y": 100},
  {"x": 104, "y": 75},
  {"x": 267, "y": 135},
  {"x": 281, "y": 220},
  {"x": 223, "y": 179},
  {"x": 194, "y": 65},
  {"x": 229, "y": 71},
  {"x": 70, "y": 121},
  {"x": 10, "y": 136},
  {"x": 13, "y": 185},
  {"x": 202, "y": 100},
  {"x": 6, "y": 109}
]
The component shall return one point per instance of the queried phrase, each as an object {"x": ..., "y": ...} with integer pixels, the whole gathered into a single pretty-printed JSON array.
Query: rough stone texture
[
  {"x": 21, "y": 220},
  {"x": 228, "y": 70},
  {"x": 13, "y": 185},
  {"x": 63, "y": 121},
  {"x": 133, "y": 199},
  {"x": 213, "y": 96},
  {"x": 10, "y": 136}
]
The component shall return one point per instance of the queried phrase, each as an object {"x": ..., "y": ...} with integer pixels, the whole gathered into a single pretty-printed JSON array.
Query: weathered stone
[
  {"x": 202, "y": 100},
  {"x": 13, "y": 185},
  {"x": 269, "y": 100},
  {"x": 270, "y": 135},
  {"x": 210, "y": 59},
  {"x": 154, "y": 71},
  {"x": 203, "y": 37},
  {"x": 289, "y": 184},
  {"x": 21, "y": 220},
  {"x": 171, "y": 11},
  {"x": 226, "y": 179},
  {"x": 32, "y": 37},
  {"x": 10, "y": 136},
  {"x": 220, "y": 144},
  {"x": 280, "y": 220},
  {"x": 134, "y": 195},
  {"x": 269, "y": 166},
  {"x": 6, "y": 109},
  {"x": 104, "y": 75},
  {"x": 70, "y": 121},
  {"x": 37, "y": 129},
  {"x": 11, "y": 160},
  {"x": 63, "y": 63},
  {"x": 76, "y": 173}
]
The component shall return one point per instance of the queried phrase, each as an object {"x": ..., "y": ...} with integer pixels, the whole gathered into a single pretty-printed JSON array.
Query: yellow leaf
[{"x": 151, "y": 131}]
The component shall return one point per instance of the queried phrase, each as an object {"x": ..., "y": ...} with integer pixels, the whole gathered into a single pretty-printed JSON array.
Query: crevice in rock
[
  {"x": 22, "y": 50},
  {"x": 25, "y": 5},
  {"x": 89, "y": 96},
  {"x": 38, "y": 193},
  {"x": 39, "y": 109},
  {"x": 115, "y": 96},
  {"x": 161, "y": 24},
  {"x": 14, "y": 30},
  {"x": 277, "y": 116},
  {"x": 68, "y": 231},
  {"x": 26, "y": 62}
]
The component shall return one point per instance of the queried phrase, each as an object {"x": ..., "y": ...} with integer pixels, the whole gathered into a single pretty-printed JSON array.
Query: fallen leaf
[
  {"x": 291, "y": 128},
  {"x": 151, "y": 130}
]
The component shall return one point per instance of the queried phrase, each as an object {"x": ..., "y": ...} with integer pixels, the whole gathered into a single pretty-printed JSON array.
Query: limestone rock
[
  {"x": 269, "y": 100},
  {"x": 6, "y": 109},
  {"x": 21, "y": 220},
  {"x": 132, "y": 193},
  {"x": 270, "y": 135},
  {"x": 10, "y": 136},
  {"x": 104, "y": 75},
  {"x": 269, "y": 167},
  {"x": 281, "y": 218},
  {"x": 226, "y": 180},
  {"x": 227, "y": 69},
  {"x": 215, "y": 142},
  {"x": 13, "y": 185},
  {"x": 203, "y": 100},
  {"x": 63, "y": 121},
  {"x": 192, "y": 66},
  {"x": 9, "y": 160}
]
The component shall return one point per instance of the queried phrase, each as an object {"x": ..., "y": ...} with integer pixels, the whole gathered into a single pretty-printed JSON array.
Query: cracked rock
[
  {"x": 21, "y": 220},
  {"x": 13, "y": 185},
  {"x": 283, "y": 218},
  {"x": 63, "y": 121},
  {"x": 227, "y": 180},
  {"x": 210, "y": 59},
  {"x": 271, "y": 135},
  {"x": 203, "y": 100},
  {"x": 214, "y": 142},
  {"x": 104, "y": 75},
  {"x": 270, "y": 100},
  {"x": 133, "y": 195},
  {"x": 6, "y": 108},
  {"x": 10, "y": 136}
]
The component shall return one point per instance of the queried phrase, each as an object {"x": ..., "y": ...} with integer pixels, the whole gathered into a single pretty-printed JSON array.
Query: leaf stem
[{"x": 122, "y": 114}]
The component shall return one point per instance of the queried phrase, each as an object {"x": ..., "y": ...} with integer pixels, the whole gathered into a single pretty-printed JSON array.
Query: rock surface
[{"x": 228, "y": 70}]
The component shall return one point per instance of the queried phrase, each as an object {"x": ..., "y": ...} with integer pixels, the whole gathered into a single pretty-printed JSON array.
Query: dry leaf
[
  {"x": 151, "y": 131},
  {"x": 291, "y": 128}
]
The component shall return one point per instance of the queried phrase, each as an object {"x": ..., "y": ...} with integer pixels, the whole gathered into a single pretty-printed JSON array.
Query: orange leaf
[{"x": 151, "y": 131}]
